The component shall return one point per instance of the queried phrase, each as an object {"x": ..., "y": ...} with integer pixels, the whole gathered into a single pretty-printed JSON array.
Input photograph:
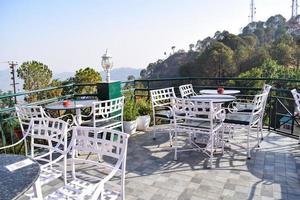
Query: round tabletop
[
  {"x": 74, "y": 104},
  {"x": 216, "y": 98},
  {"x": 216, "y": 92},
  {"x": 15, "y": 183}
]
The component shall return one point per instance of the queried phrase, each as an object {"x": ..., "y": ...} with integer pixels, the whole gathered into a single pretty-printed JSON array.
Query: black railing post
[{"x": 148, "y": 89}]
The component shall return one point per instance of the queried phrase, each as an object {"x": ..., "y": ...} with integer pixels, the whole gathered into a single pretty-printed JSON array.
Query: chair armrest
[
  {"x": 15, "y": 144},
  {"x": 100, "y": 185}
]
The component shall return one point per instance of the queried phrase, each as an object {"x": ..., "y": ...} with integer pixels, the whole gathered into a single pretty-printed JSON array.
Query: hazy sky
[{"x": 70, "y": 34}]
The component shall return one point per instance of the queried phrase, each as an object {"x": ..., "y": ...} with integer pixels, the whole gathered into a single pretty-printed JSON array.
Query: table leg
[
  {"x": 37, "y": 189},
  {"x": 78, "y": 116}
]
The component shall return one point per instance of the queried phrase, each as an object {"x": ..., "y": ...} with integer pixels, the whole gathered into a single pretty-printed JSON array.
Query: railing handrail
[
  {"x": 219, "y": 78},
  {"x": 35, "y": 91}
]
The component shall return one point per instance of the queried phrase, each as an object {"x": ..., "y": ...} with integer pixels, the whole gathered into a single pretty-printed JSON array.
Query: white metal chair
[
  {"x": 201, "y": 119},
  {"x": 26, "y": 112},
  {"x": 48, "y": 142},
  {"x": 112, "y": 145},
  {"x": 249, "y": 120},
  {"x": 48, "y": 138},
  {"x": 186, "y": 91},
  {"x": 106, "y": 114},
  {"x": 246, "y": 105},
  {"x": 296, "y": 96},
  {"x": 161, "y": 107}
]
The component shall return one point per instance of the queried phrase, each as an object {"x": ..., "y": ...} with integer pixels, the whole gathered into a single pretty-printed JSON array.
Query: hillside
[{"x": 227, "y": 54}]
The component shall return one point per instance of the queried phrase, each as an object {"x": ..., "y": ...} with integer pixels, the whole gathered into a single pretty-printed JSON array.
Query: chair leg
[
  {"x": 175, "y": 145},
  {"x": 170, "y": 136},
  {"x": 154, "y": 129},
  {"x": 248, "y": 144},
  {"x": 257, "y": 136},
  {"x": 211, "y": 151},
  {"x": 222, "y": 139},
  {"x": 261, "y": 131}
]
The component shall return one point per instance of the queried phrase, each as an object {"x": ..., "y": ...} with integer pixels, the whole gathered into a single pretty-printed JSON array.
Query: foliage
[
  {"x": 87, "y": 75},
  {"x": 144, "y": 107},
  {"x": 36, "y": 75},
  {"x": 55, "y": 92},
  {"x": 226, "y": 54},
  {"x": 269, "y": 69},
  {"x": 130, "y": 110},
  {"x": 6, "y": 102}
]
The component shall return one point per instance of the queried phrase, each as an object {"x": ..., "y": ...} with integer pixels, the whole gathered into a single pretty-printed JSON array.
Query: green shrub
[
  {"x": 144, "y": 107},
  {"x": 130, "y": 110}
]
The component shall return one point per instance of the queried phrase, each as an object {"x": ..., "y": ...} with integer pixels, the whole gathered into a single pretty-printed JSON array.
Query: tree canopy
[{"x": 87, "y": 75}]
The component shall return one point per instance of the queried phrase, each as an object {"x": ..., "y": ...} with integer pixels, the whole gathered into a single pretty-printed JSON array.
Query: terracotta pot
[
  {"x": 220, "y": 90},
  {"x": 66, "y": 103}
]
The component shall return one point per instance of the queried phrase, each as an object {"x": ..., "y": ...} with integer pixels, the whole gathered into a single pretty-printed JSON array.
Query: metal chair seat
[
  {"x": 239, "y": 118},
  {"x": 167, "y": 114}
]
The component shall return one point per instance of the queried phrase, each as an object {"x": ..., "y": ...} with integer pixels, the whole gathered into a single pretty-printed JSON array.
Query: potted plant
[
  {"x": 144, "y": 119},
  {"x": 129, "y": 116}
]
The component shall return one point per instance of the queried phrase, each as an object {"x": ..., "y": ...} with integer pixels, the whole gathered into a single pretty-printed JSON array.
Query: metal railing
[
  {"x": 279, "y": 117},
  {"x": 8, "y": 119}
]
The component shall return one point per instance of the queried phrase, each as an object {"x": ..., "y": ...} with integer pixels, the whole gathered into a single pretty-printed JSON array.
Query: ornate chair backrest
[
  {"x": 186, "y": 91},
  {"x": 258, "y": 108},
  {"x": 267, "y": 88},
  {"x": 196, "y": 111},
  {"x": 107, "y": 143},
  {"x": 109, "y": 110},
  {"x": 25, "y": 113},
  {"x": 48, "y": 135},
  {"x": 162, "y": 97},
  {"x": 296, "y": 96}
]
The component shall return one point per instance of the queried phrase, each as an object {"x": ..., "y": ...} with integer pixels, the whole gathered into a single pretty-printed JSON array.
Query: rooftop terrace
[{"x": 272, "y": 173}]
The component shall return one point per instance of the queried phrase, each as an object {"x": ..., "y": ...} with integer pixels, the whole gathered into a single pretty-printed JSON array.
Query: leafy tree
[
  {"x": 87, "y": 75},
  {"x": 216, "y": 60},
  {"x": 36, "y": 75},
  {"x": 283, "y": 50},
  {"x": 55, "y": 92}
]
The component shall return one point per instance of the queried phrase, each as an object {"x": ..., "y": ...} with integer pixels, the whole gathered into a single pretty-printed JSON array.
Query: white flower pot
[
  {"x": 143, "y": 122},
  {"x": 130, "y": 127}
]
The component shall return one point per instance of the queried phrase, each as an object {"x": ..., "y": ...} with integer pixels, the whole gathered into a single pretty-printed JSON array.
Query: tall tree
[
  {"x": 87, "y": 75},
  {"x": 36, "y": 75}
]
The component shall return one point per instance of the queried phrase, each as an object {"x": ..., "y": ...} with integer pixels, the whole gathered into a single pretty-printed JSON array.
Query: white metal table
[
  {"x": 226, "y": 92},
  {"x": 215, "y": 98},
  {"x": 76, "y": 105}
]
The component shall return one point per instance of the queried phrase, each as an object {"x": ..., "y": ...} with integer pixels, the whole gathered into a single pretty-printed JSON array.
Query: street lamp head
[{"x": 107, "y": 64}]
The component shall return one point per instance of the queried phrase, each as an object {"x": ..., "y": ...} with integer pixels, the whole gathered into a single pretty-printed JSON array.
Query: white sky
[{"x": 67, "y": 35}]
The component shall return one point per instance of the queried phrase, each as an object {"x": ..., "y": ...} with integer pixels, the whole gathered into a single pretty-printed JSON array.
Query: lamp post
[
  {"x": 108, "y": 89},
  {"x": 107, "y": 65}
]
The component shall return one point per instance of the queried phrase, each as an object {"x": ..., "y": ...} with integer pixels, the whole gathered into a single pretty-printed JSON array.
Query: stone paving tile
[{"x": 152, "y": 174}]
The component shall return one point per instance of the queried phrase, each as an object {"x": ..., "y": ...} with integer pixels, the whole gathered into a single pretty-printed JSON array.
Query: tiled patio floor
[{"x": 152, "y": 174}]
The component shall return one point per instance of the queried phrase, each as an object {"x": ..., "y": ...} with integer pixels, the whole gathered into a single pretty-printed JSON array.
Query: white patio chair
[
  {"x": 246, "y": 105},
  {"x": 48, "y": 142},
  {"x": 201, "y": 119},
  {"x": 296, "y": 96},
  {"x": 106, "y": 114},
  {"x": 26, "y": 112},
  {"x": 90, "y": 179},
  {"x": 243, "y": 105},
  {"x": 186, "y": 91},
  {"x": 162, "y": 109},
  {"x": 249, "y": 120}
]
